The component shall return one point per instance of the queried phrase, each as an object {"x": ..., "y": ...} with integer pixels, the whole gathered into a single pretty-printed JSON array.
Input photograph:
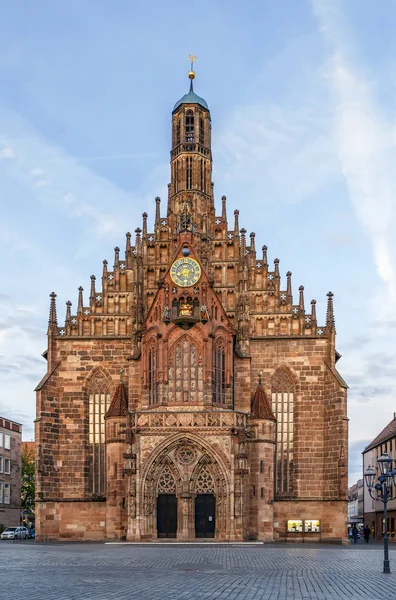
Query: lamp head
[
  {"x": 385, "y": 464},
  {"x": 369, "y": 476}
]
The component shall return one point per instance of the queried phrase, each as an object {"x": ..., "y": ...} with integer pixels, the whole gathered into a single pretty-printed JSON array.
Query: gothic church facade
[{"x": 192, "y": 396}]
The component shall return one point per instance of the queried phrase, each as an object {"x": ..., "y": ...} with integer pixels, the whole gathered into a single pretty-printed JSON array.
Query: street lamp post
[{"x": 382, "y": 491}]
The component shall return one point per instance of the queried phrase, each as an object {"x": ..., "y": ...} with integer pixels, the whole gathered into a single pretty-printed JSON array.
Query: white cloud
[
  {"x": 6, "y": 153},
  {"x": 366, "y": 143},
  {"x": 36, "y": 172}
]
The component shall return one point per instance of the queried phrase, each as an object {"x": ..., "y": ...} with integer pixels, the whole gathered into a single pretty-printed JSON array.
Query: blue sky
[{"x": 302, "y": 96}]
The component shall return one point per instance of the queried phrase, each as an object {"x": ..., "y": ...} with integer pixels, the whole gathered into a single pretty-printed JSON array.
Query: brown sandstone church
[{"x": 191, "y": 396}]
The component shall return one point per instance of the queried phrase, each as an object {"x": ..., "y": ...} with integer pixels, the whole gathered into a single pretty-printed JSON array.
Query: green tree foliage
[{"x": 28, "y": 479}]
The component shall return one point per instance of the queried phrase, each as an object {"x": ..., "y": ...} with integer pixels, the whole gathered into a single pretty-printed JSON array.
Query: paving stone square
[{"x": 163, "y": 572}]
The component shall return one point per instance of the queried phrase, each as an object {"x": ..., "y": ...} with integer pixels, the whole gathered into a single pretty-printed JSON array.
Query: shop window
[
  {"x": 311, "y": 526},
  {"x": 294, "y": 526}
]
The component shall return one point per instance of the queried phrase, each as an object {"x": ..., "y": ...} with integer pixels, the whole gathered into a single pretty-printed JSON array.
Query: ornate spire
[
  {"x": 265, "y": 259},
  {"x": 243, "y": 243},
  {"x": 330, "y": 321},
  {"x": 252, "y": 243},
  {"x": 93, "y": 292},
  {"x": 53, "y": 320},
  {"x": 289, "y": 287},
  {"x": 104, "y": 274},
  {"x": 128, "y": 250},
  {"x": 157, "y": 212},
  {"x": 138, "y": 241},
  {"x": 224, "y": 208},
  {"x": 144, "y": 215},
  {"x": 236, "y": 222},
  {"x": 276, "y": 263},
  {"x": 116, "y": 257},
  {"x": 301, "y": 300},
  {"x": 313, "y": 312},
  {"x": 68, "y": 311},
  {"x": 80, "y": 300}
]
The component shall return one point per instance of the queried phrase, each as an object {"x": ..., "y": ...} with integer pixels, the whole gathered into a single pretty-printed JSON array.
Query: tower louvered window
[
  {"x": 152, "y": 375},
  {"x": 283, "y": 409},
  {"x": 189, "y": 126},
  {"x": 99, "y": 401},
  {"x": 219, "y": 384}
]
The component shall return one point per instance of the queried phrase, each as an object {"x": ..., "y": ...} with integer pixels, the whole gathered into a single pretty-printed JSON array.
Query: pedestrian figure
[
  {"x": 366, "y": 533},
  {"x": 354, "y": 533}
]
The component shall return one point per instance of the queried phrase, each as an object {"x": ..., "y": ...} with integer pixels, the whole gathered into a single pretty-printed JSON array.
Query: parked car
[{"x": 15, "y": 533}]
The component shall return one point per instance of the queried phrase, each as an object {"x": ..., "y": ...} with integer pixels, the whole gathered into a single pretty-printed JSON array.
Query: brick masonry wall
[{"x": 84, "y": 521}]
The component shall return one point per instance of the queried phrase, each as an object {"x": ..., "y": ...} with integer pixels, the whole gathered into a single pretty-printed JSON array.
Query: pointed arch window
[
  {"x": 185, "y": 372},
  {"x": 152, "y": 374},
  {"x": 201, "y": 131},
  {"x": 283, "y": 409},
  {"x": 178, "y": 131},
  {"x": 189, "y": 126},
  {"x": 189, "y": 168},
  {"x": 99, "y": 402},
  {"x": 219, "y": 374}
]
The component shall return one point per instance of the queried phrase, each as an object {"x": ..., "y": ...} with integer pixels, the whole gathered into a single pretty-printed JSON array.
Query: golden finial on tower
[{"x": 192, "y": 60}]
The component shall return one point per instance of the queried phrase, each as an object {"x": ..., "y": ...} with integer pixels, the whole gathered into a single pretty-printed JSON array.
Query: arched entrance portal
[{"x": 185, "y": 493}]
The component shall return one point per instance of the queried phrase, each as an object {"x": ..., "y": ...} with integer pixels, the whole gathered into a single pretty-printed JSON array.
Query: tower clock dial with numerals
[{"x": 185, "y": 272}]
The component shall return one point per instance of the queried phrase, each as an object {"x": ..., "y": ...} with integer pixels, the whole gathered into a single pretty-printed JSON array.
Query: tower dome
[{"x": 191, "y": 97}]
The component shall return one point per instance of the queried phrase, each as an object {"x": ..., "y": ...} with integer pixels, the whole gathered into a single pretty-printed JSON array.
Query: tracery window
[
  {"x": 166, "y": 482},
  {"x": 204, "y": 482},
  {"x": 283, "y": 409},
  {"x": 189, "y": 126},
  {"x": 185, "y": 372},
  {"x": 152, "y": 374},
  {"x": 99, "y": 402},
  {"x": 219, "y": 380}
]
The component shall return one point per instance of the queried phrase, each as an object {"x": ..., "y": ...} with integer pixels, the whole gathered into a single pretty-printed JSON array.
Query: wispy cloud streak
[{"x": 365, "y": 142}]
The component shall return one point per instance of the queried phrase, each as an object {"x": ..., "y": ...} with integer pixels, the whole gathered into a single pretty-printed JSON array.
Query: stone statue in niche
[{"x": 166, "y": 313}]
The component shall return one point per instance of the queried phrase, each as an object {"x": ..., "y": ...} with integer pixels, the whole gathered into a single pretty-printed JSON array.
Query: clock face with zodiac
[{"x": 185, "y": 272}]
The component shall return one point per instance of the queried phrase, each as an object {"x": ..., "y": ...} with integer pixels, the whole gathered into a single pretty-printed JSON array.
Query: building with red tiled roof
[{"x": 374, "y": 510}]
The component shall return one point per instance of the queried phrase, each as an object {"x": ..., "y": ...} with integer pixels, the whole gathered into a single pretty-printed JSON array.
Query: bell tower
[{"x": 191, "y": 160}]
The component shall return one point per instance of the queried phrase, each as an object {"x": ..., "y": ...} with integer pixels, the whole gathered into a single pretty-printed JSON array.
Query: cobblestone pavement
[{"x": 163, "y": 572}]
